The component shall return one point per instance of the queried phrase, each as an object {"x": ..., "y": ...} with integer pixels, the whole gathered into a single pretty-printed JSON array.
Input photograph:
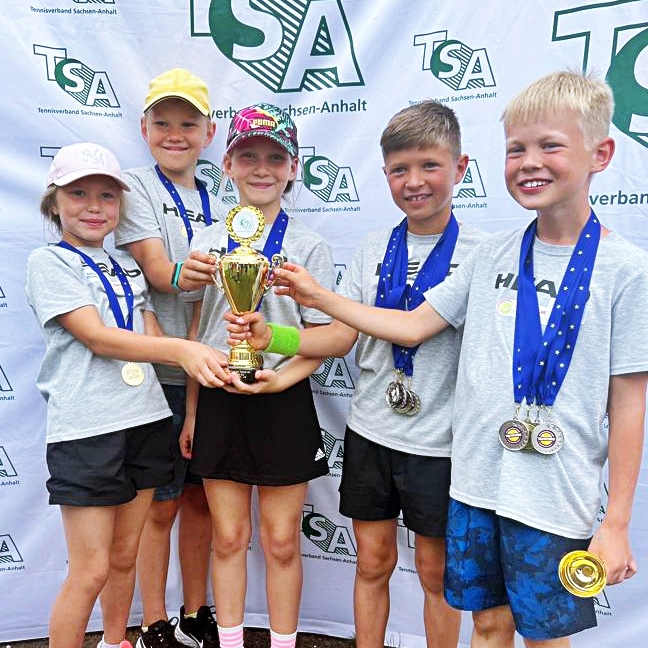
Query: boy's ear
[
  {"x": 143, "y": 128},
  {"x": 227, "y": 165},
  {"x": 211, "y": 131},
  {"x": 462, "y": 165},
  {"x": 602, "y": 154}
]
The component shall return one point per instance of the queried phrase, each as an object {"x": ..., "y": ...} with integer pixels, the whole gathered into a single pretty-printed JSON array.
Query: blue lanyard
[
  {"x": 394, "y": 291},
  {"x": 182, "y": 210},
  {"x": 113, "y": 301},
  {"x": 541, "y": 360}
]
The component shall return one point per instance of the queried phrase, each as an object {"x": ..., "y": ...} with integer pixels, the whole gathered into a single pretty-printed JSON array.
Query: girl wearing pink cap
[{"x": 109, "y": 433}]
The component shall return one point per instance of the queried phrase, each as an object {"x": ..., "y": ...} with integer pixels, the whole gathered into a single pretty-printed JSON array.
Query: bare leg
[
  {"x": 88, "y": 533},
  {"x": 153, "y": 559},
  {"x": 562, "y": 642},
  {"x": 493, "y": 628},
  {"x": 195, "y": 533},
  {"x": 281, "y": 510},
  {"x": 441, "y": 621},
  {"x": 376, "y": 560},
  {"x": 229, "y": 505},
  {"x": 117, "y": 594}
]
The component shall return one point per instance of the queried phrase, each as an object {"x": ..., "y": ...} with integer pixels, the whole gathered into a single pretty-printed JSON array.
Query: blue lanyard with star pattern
[
  {"x": 182, "y": 210},
  {"x": 541, "y": 359},
  {"x": 113, "y": 301},
  {"x": 394, "y": 291}
]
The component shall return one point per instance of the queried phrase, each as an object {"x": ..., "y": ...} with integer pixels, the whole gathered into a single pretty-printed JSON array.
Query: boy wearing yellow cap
[{"x": 167, "y": 205}]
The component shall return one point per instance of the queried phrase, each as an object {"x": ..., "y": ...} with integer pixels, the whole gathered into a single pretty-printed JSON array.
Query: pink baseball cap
[{"x": 80, "y": 160}]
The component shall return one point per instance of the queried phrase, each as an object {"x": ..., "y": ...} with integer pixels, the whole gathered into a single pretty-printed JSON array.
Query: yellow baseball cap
[{"x": 180, "y": 84}]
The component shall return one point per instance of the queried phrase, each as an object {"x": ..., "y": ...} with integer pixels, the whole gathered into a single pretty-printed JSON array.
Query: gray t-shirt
[
  {"x": 85, "y": 393},
  {"x": 152, "y": 213},
  {"x": 300, "y": 245},
  {"x": 558, "y": 493},
  {"x": 427, "y": 433}
]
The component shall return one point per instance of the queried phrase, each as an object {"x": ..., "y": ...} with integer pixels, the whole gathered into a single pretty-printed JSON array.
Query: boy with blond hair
[
  {"x": 166, "y": 206},
  {"x": 540, "y": 377}
]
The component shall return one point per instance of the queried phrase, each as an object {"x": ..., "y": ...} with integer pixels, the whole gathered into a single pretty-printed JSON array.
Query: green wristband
[
  {"x": 175, "y": 275},
  {"x": 284, "y": 340}
]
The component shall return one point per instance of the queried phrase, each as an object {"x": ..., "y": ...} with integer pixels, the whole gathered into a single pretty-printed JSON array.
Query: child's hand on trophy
[
  {"x": 295, "y": 281},
  {"x": 248, "y": 326},
  {"x": 266, "y": 381},
  {"x": 197, "y": 270}
]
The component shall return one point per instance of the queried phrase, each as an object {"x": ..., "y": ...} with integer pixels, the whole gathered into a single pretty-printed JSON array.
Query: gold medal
[
  {"x": 132, "y": 374},
  {"x": 582, "y": 573}
]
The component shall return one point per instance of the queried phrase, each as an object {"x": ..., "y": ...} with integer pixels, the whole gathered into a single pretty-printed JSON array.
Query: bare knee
[
  {"x": 194, "y": 501},
  {"x": 430, "y": 573},
  {"x": 495, "y": 623},
  {"x": 231, "y": 540},
  {"x": 376, "y": 562},
  {"x": 162, "y": 514},
  {"x": 281, "y": 546}
]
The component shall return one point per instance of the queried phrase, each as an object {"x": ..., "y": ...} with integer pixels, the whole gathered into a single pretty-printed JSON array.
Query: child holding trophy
[
  {"x": 555, "y": 337},
  {"x": 266, "y": 434},
  {"x": 109, "y": 434}
]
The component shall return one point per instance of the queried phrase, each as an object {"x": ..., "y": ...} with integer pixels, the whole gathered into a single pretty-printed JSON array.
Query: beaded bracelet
[
  {"x": 284, "y": 340},
  {"x": 175, "y": 275}
]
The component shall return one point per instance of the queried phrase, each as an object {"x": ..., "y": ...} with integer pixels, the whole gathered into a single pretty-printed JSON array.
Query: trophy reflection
[{"x": 244, "y": 276}]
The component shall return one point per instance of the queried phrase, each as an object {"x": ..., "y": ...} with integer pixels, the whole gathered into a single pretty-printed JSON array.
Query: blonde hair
[
  {"x": 587, "y": 95},
  {"x": 426, "y": 123}
]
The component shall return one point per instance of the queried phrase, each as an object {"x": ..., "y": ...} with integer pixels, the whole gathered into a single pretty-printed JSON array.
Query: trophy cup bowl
[
  {"x": 582, "y": 573},
  {"x": 244, "y": 276}
]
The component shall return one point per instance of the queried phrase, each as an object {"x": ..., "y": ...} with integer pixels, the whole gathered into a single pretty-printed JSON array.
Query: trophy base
[
  {"x": 245, "y": 361},
  {"x": 246, "y": 375}
]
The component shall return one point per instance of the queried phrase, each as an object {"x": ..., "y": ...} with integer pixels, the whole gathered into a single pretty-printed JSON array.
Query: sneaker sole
[{"x": 186, "y": 640}]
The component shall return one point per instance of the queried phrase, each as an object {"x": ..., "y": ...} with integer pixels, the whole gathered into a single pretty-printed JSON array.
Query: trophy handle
[
  {"x": 216, "y": 275},
  {"x": 276, "y": 262}
]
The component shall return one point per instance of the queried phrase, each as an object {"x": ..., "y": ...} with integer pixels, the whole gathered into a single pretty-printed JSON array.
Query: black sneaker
[
  {"x": 159, "y": 635},
  {"x": 199, "y": 632}
]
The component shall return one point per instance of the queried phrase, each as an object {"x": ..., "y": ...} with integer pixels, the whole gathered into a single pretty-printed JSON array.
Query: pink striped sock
[
  {"x": 231, "y": 637},
  {"x": 282, "y": 640}
]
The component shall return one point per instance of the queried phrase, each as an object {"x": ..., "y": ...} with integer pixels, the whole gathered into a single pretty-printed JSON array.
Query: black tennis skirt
[{"x": 260, "y": 439}]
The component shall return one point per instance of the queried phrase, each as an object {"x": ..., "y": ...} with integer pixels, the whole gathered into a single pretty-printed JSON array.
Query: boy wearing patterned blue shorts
[{"x": 553, "y": 343}]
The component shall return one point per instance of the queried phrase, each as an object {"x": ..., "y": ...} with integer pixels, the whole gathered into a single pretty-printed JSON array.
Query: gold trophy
[
  {"x": 582, "y": 573},
  {"x": 244, "y": 276}
]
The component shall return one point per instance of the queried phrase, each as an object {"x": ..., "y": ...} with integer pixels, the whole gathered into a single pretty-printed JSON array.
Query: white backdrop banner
[{"x": 75, "y": 70}]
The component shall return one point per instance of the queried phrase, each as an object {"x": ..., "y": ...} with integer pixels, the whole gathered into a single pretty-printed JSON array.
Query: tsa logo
[
  {"x": 8, "y": 551},
  {"x": 217, "y": 183},
  {"x": 454, "y": 63},
  {"x": 5, "y": 385},
  {"x": 471, "y": 186},
  {"x": 328, "y": 181},
  {"x": 334, "y": 449},
  {"x": 287, "y": 45},
  {"x": 88, "y": 87},
  {"x": 325, "y": 534},
  {"x": 334, "y": 372},
  {"x": 614, "y": 37},
  {"x": 6, "y": 467}
]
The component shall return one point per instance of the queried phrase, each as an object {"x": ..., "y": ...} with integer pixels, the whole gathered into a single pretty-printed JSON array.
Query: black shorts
[
  {"x": 260, "y": 439},
  {"x": 378, "y": 483},
  {"x": 108, "y": 469}
]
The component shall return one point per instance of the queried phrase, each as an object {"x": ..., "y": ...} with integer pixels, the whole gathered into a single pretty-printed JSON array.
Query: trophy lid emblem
[
  {"x": 582, "y": 573},
  {"x": 245, "y": 224}
]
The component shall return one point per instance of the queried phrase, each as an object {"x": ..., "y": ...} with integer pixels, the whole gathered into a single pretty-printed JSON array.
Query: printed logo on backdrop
[
  {"x": 218, "y": 184},
  {"x": 10, "y": 558},
  {"x": 614, "y": 37},
  {"x": 334, "y": 448},
  {"x": 287, "y": 45},
  {"x": 3, "y": 298},
  {"x": 471, "y": 188},
  {"x": 410, "y": 540},
  {"x": 333, "y": 378},
  {"x": 7, "y": 469},
  {"x": 335, "y": 542},
  {"x": 5, "y": 387},
  {"x": 79, "y": 10},
  {"x": 91, "y": 88},
  {"x": 457, "y": 65}
]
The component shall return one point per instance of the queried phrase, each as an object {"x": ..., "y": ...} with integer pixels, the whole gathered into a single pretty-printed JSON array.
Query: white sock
[{"x": 103, "y": 644}]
